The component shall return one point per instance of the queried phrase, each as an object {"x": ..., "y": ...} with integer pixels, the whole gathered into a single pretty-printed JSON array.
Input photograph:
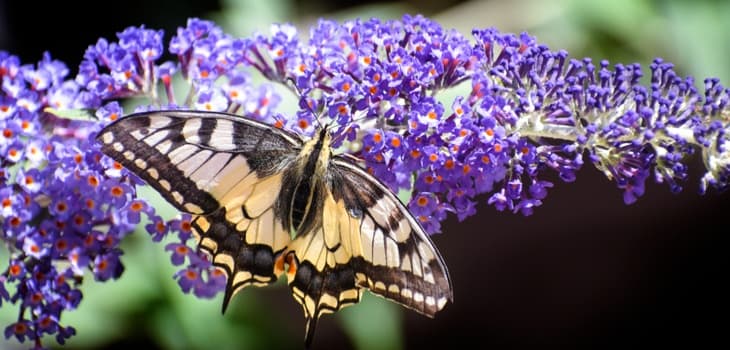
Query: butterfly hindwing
[
  {"x": 324, "y": 280},
  {"x": 224, "y": 170},
  {"x": 393, "y": 256},
  {"x": 245, "y": 239}
]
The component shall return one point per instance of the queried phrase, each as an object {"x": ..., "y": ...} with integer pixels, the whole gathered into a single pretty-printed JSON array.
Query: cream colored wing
[{"x": 225, "y": 170}]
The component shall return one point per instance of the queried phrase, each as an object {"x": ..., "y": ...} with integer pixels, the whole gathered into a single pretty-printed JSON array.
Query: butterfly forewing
[
  {"x": 223, "y": 169},
  {"x": 196, "y": 159}
]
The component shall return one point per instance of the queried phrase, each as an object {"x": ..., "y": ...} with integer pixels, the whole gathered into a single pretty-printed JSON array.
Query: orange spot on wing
[
  {"x": 279, "y": 265},
  {"x": 291, "y": 261}
]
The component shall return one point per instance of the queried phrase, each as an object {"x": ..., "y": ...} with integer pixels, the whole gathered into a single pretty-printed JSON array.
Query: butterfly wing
[
  {"x": 223, "y": 169},
  {"x": 392, "y": 255},
  {"x": 367, "y": 239}
]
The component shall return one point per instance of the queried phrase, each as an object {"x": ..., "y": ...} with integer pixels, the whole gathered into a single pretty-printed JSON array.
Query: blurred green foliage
[{"x": 146, "y": 305}]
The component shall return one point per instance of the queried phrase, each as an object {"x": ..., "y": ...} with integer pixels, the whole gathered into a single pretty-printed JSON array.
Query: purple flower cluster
[
  {"x": 526, "y": 111},
  {"x": 113, "y": 70},
  {"x": 65, "y": 207},
  {"x": 529, "y": 109}
]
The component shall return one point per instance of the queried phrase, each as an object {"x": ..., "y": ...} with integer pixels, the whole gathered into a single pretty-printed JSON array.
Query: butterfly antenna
[
  {"x": 354, "y": 121},
  {"x": 311, "y": 325},
  {"x": 301, "y": 96}
]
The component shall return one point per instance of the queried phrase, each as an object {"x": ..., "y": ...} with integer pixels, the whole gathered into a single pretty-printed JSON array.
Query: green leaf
[
  {"x": 85, "y": 114},
  {"x": 375, "y": 323}
]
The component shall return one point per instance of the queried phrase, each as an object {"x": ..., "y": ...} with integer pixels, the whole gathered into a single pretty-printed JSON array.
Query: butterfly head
[{"x": 316, "y": 152}]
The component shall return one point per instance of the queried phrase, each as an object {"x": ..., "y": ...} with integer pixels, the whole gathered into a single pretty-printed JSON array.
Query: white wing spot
[
  {"x": 349, "y": 294},
  {"x": 159, "y": 122},
  {"x": 403, "y": 231},
  {"x": 418, "y": 297},
  {"x": 193, "y": 208},
  {"x": 224, "y": 259},
  {"x": 359, "y": 276},
  {"x": 381, "y": 211},
  {"x": 209, "y": 244},
  {"x": 393, "y": 288},
  {"x": 140, "y": 163},
  {"x": 128, "y": 154},
  {"x": 177, "y": 196},
  {"x": 165, "y": 185},
  {"x": 406, "y": 293},
  {"x": 153, "y": 173},
  {"x": 241, "y": 277},
  {"x": 107, "y": 137},
  {"x": 328, "y": 300},
  {"x": 117, "y": 147}
]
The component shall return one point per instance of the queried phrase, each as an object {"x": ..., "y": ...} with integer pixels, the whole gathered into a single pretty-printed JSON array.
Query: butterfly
[{"x": 267, "y": 202}]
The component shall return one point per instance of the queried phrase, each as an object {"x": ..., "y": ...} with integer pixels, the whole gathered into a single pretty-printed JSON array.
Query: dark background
[{"x": 584, "y": 271}]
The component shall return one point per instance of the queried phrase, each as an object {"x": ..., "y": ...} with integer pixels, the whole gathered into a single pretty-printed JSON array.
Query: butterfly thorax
[{"x": 304, "y": 185}]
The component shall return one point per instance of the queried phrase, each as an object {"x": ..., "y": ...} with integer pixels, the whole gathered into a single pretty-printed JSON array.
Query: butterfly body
[{"x": 266, "y": 203}]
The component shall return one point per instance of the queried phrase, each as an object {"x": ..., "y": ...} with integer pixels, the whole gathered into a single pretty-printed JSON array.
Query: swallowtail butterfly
[{"x": 266, "y": 202}]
